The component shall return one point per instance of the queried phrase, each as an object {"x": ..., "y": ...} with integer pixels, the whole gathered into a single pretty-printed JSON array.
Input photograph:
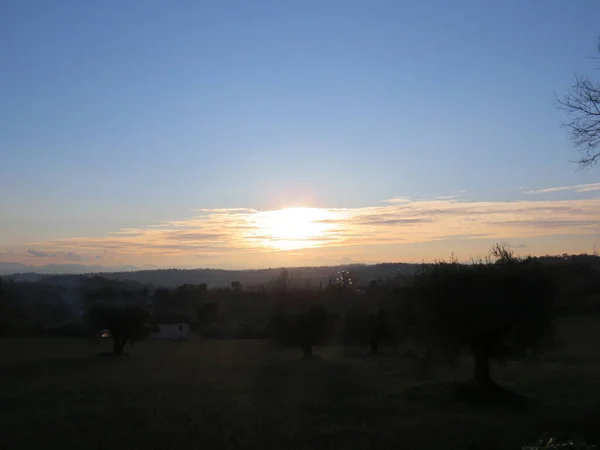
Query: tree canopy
[
  {"x": 306, "y": 330},
  {"x": 492, "y": 311},
  {"x": 368, "y": 328},
  {"x": 125, "y": 324}
]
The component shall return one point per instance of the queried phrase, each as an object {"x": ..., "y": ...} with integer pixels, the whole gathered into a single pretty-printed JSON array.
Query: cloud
[
  {"x": 40, "y": 254},
  {"x": 556, "y": 225},
  {"x": 391, "y": 219},
  {"x": 195, "y": 236},
  {"x": 463, "y": 236},
  {"x": 450, "y": 197},
  {"x": 75, "y": 257},
  {"x": 67, "y": 255},
  {"x": 227, "y": 233},
  {"x": 397, "y": 200},
  {"x": 576, "y": 188}
]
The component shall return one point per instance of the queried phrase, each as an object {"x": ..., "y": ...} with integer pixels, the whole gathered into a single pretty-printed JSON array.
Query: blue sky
[{"x": 125, "y": 115}]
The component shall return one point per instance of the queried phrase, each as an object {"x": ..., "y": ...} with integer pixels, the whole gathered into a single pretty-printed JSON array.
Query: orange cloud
[{"x": 240, "y": 233}]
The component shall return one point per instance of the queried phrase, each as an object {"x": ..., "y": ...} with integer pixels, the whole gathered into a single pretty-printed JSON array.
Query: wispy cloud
[
  {"x": 66, "y": 256},
  {"x": 576, "y": 188},
  {"x": 397, "y": 200},
  {"x": 40, "y": 254},
  {"x": 229, "y": 233},
  {"x": 75, "y": 257}
]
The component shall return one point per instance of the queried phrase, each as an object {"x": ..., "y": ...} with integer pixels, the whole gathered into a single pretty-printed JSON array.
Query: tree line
[{"x": 493, "y": 309}]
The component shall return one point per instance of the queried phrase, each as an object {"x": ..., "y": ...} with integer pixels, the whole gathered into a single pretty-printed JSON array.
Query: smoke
[{"x": 73, "y": 298}]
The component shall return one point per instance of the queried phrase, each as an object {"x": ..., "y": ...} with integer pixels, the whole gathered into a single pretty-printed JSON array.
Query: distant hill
[
  {"x": 55, "y": 269},
  {"x": 298, "y": 276}
]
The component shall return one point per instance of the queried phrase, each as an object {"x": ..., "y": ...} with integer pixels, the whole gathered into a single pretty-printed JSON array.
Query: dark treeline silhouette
[
  {"x": 493, "y": 309},
  {"x": 299, "y": 277}
]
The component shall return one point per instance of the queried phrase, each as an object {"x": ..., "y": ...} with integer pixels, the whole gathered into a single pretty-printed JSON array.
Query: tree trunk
[
  {"x": 307, "y": 351},
  {"x": 481, "y": 373},
  {"x": 374, "y": 347},
  {"x": 117, "y": 348}
]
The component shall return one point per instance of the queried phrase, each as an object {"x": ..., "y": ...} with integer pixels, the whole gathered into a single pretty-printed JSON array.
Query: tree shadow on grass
[
  {"x": 492, "y": 397},
  {"x": 112, "y": 355},
  {"x": 48, "y": 366},
  {"x": 297, "y": 403},
  {"x": 364, "y": 353},
  {"x": 450, "y": 395}
]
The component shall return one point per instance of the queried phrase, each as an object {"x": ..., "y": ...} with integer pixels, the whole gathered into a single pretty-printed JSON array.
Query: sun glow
[{"x": 293, "y": 228}]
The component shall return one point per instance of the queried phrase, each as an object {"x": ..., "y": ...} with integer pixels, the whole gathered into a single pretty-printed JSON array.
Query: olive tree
[
  {"x": 125, "y": 324},
  {"x": 368, "y": 328},
  {"x": 490, "y": 311},
  {"x": 307, "y": 329}
]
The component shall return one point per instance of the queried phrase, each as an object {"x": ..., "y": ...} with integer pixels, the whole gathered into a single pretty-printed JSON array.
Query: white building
[{"x": 172, "y": 331}]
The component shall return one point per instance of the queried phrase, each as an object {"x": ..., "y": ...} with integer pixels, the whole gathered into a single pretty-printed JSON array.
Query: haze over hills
[
  {"x": 10, "y": 268},
  {"x": 301, "y": 277}
]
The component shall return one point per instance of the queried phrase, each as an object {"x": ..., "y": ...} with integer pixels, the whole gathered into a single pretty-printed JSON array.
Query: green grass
[{"x": 243, "y": 394}]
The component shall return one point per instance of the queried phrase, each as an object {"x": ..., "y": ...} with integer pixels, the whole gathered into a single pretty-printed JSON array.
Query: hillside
[
  {"x": 299, "y": 276},
  {"x": 302, "y": 277}
]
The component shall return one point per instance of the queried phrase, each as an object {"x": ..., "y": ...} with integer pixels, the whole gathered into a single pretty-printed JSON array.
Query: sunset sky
[{"x": 244, "y": 134}]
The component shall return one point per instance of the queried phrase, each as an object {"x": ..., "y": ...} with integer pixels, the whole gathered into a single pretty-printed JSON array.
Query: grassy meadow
[{"x": 210, "y": 394}]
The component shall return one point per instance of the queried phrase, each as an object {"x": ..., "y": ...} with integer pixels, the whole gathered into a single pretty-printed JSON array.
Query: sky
[{"x": 245, "y": 134}]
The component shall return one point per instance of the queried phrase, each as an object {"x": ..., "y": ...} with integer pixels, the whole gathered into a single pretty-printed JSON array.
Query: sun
[{"x": 293, "y": 228}]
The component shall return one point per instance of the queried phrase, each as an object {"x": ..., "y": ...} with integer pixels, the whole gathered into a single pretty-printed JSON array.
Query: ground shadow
[
  {"x": 112, "y": 355},
  {"x": 492, "y": 397},
  {"x": 48, "y": 366}
]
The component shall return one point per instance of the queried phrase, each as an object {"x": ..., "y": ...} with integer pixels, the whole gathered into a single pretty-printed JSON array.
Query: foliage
[
  {"x": 180, "y": 304},
  {"x": 281, "y": 283},
  {"x": 346, "y": 280},
  {"x": 548, "y": 443},
  {"x": 493, "y": 311},
  {"x": 125, "y": 323},
  {"x": 57, "y": 303},
  {"x": 306, "y": 329},
  {"x": 207, "y": 312},
  {"x": 368, "y": 328},
  {"x": 5, "y": 310}
]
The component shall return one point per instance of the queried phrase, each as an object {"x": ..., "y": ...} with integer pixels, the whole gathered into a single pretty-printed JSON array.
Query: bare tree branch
[{"x": 582, "y": 106}]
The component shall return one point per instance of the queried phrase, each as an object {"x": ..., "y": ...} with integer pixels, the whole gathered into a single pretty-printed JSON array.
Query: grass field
[{"x": 243, "y": 394}]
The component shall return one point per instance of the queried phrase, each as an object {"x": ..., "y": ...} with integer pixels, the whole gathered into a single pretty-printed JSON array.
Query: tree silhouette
[
  {"x": 5, "y": 309},
  {"x": 206, "y": 313},
  {"x": 493, "y": 311},
  {"x": 582, "y": 106},
  {"x": 124, "y": 323},
  {"x": 372, "y": 329},
  {"x": 305, "y": 330}
]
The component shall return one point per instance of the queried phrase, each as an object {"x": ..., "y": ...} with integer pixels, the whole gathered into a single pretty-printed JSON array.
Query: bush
[
  {"x": 125, "y": 324},
  {"x": 546, "y": 443},
  {"x": 305, "y": 330}
]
